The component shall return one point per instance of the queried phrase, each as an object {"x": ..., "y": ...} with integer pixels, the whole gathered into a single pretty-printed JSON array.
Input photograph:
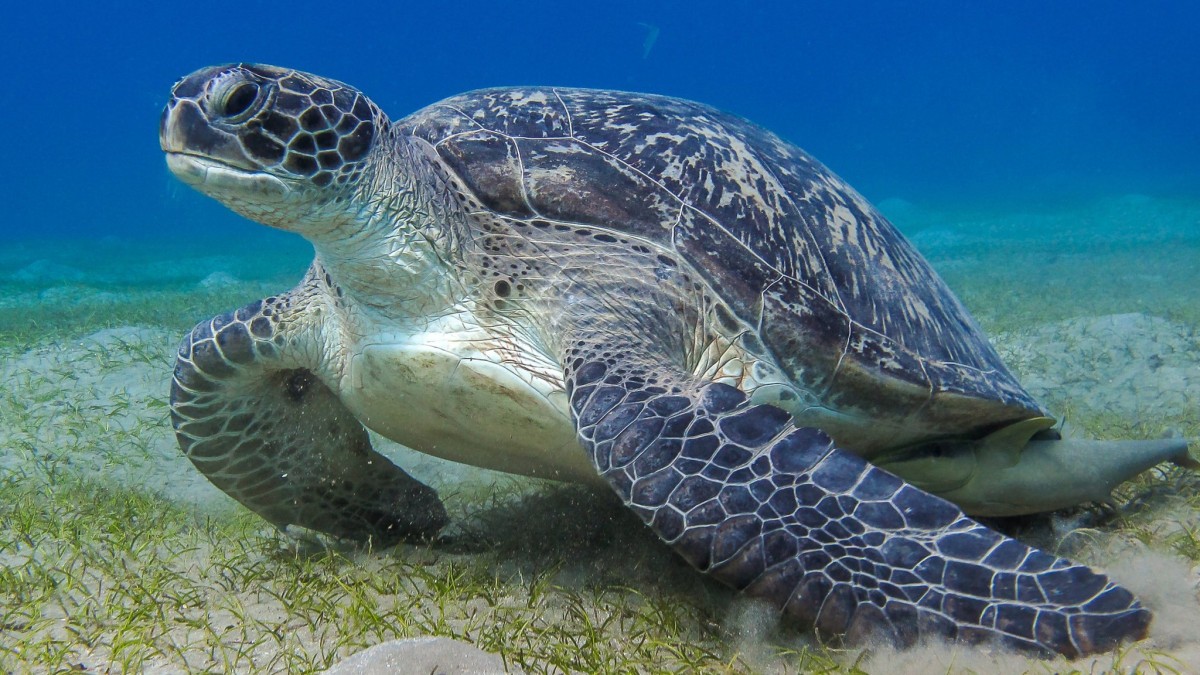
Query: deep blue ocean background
[{"x": 934, "y": 102}]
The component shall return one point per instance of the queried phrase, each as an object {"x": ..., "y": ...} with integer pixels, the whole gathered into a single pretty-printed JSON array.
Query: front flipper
[
  {"x": 274, "y": 437},
  {"x": 833, "y": 541}
]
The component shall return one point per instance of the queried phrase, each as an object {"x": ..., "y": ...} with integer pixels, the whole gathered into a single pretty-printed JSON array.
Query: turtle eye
[{"x": 236, "y": 100}]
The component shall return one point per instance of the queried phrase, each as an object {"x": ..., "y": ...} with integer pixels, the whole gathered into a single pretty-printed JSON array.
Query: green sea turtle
[{"x": 637, "y": 291}]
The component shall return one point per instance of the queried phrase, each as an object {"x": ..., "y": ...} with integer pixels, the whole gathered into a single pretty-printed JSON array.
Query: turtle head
[{"x": 279, "y": 146}]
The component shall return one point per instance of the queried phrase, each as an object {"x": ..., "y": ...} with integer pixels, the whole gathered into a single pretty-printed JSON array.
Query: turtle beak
[
  {"x": 207, "y": 154},
  {"x": 210, "y": 159},
  {"x": 186, "y": 129}
]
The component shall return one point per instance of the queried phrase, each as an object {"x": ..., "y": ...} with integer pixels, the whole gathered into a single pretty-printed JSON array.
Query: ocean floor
[{"x": 116, "y": 555}]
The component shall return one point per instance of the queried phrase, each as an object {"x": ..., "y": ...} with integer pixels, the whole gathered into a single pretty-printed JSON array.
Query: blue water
[{"x": 933, "y": 102}]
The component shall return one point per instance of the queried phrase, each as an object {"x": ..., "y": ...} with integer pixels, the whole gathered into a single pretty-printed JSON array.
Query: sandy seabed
[{"x": 1094, "y": 307}]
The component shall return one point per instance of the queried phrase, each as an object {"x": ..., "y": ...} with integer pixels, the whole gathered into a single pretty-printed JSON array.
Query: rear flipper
[
  {"x": 280, "y": 442},
  {"x": 831, "y": 540}
]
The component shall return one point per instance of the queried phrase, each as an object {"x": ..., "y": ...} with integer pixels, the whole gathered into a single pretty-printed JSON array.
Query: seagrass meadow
[{"x": 119, "y": 557}]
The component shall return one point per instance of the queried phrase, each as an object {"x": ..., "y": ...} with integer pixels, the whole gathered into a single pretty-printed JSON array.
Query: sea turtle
[{"x": 636, "y": 291}]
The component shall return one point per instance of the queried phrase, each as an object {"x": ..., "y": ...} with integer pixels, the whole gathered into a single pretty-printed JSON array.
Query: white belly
[{"x": 439, "y": 394}]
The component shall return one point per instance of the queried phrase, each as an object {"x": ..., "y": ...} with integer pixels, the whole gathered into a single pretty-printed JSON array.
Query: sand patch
[
  {"x": 1134, "y": 366},
  {"x": 96, "y": 407}
]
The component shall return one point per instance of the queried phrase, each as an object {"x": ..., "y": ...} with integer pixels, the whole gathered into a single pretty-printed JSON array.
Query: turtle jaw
[
  {"x": 218, "y": 179},
  {"x": 256, "y": 195}
]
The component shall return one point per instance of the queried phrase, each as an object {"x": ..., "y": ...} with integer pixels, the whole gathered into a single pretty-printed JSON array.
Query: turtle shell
[{"x": 842, "y": 301}]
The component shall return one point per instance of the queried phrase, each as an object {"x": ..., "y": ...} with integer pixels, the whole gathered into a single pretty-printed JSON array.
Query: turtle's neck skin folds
[{"x": 391, "y": 252}]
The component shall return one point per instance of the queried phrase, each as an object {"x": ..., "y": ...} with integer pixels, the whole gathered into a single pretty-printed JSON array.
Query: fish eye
[{"x": 236, "y": 100}]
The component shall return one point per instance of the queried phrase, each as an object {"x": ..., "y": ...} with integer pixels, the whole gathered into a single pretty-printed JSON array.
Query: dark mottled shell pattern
[{"x": 831, "y": 287}]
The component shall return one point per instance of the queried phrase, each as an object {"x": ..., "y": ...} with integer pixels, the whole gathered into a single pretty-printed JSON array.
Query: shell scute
[{"x": 838, "y": 295}]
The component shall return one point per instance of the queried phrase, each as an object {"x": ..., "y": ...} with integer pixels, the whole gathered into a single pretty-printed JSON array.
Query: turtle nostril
[{"x": 238, "y": 99}]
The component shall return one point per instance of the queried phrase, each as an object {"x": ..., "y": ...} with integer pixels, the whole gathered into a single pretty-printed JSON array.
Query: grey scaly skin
[
  {"x": 268, "y": 432},
  {"x": 267, "y": 402},
  {"x": 833, "y": 541}
]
